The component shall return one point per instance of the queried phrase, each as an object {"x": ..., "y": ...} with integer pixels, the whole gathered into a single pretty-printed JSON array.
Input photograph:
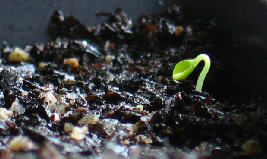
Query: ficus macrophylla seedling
[{"x": 185, "y": 67}]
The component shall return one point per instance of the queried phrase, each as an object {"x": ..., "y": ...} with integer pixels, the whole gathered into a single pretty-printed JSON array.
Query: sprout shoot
[{"x": 184, "y": 68}]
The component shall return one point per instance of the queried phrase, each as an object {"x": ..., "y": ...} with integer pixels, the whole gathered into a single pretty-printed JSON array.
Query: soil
[{"x": 120, "y": 101}]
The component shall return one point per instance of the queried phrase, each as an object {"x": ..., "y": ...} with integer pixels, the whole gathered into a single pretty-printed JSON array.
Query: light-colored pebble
[
  {"x": 18, "y": 55},
  {"x": 89, "y": 119},
  {"x": 140, "y": 107},
  {"x": 42, "y": 65},
  {"x": 143, "y": 139},
  {"x": 68, "y": 127},
  {"x": 50, "y": 100},
  {"x": 79, "y": 133},
  {"x": 19, "y": 143},
  {"x": 109, "y": 59},
  {"x": 16, "y": 107},
  {"x": 5, "y": 114}
]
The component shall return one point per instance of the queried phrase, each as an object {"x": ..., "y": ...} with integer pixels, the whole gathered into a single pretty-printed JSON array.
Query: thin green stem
[{"x": 205, "y": 70}]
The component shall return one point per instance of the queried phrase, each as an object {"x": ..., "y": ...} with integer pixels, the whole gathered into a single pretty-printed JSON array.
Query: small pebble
[
  {"x": 79, "y": 133},
  {"x": 50, "y": 100},
  {"x": 143, "y": 139},
  {"x": 89, "y": 119},
  {"x": 126, "y": 142},
  {"x": 68, "y": 127},
  {"x": 73, "y": 62},
  {"x": 55, "y": 117},
  {"x": 20, "y": 143},
  {"x": 140, "y": 107},
  {"x": 42, "y": 65},
  {"x": 179, "y": 30},
  {"x": 109, "y": 59},
  {"x": 5, "y": 114},
  {"x": 18, "y": 55}
]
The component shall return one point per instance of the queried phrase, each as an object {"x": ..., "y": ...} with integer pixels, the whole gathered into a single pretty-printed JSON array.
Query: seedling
[{"x": 184, "y": 68}]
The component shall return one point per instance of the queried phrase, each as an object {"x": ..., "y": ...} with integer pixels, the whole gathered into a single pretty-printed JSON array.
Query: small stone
[
  {"x": 89, "y": 119},
  {"x": 143, "y": 139},
  {"x": 179, "y": 30},
  {"x": 109, "y": 59},
  {"x": 20, "y": 143},
  {"x": 140, "y": 107},
  {"x": 72, "y": 102},
  {"x": 126, "y": 142},
  {"x": 79, "y": 133},
  {"x": 68, "y": 127},
  {"x": 73, "y": 62},
  {"x": 55, "y": 117},
  {"x": 16, "y": 107},
  {"x": 18, "y": 55},
  {"x": 5, "y": 114},
  {"x": 50, "y": 100},
  {"x": 42, "y": 65}
]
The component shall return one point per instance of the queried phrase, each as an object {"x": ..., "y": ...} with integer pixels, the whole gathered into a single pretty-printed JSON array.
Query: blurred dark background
[
  {"x": 25, "y": 21},
  {"x": 243, "y": 58}
]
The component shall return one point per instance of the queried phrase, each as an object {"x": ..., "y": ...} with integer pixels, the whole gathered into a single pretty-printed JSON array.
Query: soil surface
[{"x": 106, "y": 92}]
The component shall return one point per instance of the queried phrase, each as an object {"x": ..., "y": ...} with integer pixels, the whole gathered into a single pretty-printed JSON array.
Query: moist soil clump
[{"x": 106, "y": 91}]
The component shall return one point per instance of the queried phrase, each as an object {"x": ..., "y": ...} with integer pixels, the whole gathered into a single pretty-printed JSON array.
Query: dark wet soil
[{"x": 122, "y": 93}]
